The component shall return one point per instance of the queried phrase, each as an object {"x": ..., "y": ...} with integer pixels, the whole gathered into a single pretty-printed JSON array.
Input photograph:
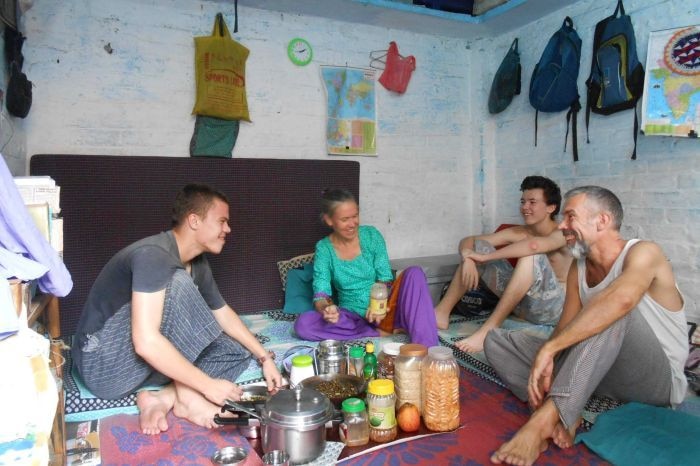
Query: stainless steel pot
[
  {"x": 331, "y": 358},
  {"x": 295, "y": 421}
]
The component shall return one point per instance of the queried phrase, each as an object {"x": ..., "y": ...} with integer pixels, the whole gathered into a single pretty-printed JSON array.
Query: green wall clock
[{"x": 299, "y": 51}]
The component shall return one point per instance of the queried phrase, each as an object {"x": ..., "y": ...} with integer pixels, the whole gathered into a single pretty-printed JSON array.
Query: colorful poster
[
  {"x": 671, "y": 101},
  {"x": 351, "y": 128}
]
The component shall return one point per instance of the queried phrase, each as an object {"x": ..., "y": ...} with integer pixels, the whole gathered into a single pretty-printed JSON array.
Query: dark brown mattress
[{"x": 108, "y": 202}]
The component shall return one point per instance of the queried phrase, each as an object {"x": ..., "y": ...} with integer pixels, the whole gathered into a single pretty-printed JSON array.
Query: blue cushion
[
  {"x": 641, "y": 434},
  {"x": 299, "y": 293}
]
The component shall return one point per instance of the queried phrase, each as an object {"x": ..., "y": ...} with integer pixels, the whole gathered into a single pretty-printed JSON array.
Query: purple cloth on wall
[
  {"x": 19, "y": 234},
  {"x": 414, "y": 313}
]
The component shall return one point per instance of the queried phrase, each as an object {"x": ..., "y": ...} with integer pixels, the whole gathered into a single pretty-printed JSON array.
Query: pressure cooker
[{"x": 292, "y": 420}]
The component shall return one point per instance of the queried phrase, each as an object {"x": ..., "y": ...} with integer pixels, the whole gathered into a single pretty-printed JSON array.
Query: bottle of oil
[{"x": 370, "y": 368}]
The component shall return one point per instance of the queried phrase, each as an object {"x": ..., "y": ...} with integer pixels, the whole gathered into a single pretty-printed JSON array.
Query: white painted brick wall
[
  {"x": 660, "y": 190},
  {"x": 138, "y": 100}
]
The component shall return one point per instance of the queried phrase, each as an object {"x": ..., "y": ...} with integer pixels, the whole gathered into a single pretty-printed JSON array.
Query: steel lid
[{"x": 299, "y": 408}]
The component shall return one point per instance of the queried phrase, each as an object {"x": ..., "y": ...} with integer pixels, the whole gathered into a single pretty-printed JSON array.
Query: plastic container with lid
[
  {"x": 356, "y": 361},
  {"x": 302, "y": 368},
  {"x": 407, "y": 374},
  {"x": 354, "y": 430},
  {"x": 440, "y": 390},
  {"x": 381, "y": 407},
  {"x": 385, "y": 360},
  {"x": 378, "y": 297}
]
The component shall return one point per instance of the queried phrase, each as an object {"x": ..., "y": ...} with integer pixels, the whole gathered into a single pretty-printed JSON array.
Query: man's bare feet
[
  {"x": 442, "y": 316},
  {"x": 531, "y": 440},
  {"x": 153, "y": 409},
  {"x": 474, "y": 343},
  {"x": 563, "y": 437},
  {"x": 192, "y": 406}
]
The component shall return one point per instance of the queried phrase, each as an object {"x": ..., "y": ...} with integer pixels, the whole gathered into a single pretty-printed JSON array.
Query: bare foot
[
  {"x": 192, "y": 406},
  {"x": 563, "y": 437},
  {"x": 531, "y": 440},
  {"x": 474, "y": 343},
  {"x": 442, "y": 316},
  {"x": 519, "y": 451},
  {"x": 153, "y": 409}
]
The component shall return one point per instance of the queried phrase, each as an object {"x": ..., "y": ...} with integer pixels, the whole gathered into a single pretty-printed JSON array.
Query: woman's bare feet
[
  {"x": 474, "y": 343},
  {"x": 153, "y": 409},
  {"x": 563, "y": 437},
  {"x": 531, "y": 440}
]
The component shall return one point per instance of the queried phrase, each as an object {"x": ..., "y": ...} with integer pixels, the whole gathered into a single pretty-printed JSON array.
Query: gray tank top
[{"x": 670, "y": 327}]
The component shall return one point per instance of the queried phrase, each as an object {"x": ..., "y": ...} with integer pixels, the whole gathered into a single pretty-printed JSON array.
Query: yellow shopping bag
[{"x": 220, "y": 74}]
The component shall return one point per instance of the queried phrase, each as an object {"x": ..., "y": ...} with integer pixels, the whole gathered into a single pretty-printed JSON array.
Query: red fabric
[
  {"x": 398, "y": 70},
  {"x": 121, "y": 442},
  {"x": 489, "y": 413}
]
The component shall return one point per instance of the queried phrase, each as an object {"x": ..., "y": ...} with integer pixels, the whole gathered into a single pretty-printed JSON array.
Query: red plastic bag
[{"x": 398, "y": 70}]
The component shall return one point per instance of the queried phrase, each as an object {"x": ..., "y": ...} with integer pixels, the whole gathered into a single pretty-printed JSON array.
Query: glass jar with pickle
[{"x": 386, "y": 359}]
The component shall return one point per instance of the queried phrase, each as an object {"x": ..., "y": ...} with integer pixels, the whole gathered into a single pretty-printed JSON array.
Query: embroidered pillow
[{"x": 294, "y": 263}]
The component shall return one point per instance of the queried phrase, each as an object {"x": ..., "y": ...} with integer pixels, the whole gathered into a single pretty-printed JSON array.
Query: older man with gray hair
[{"x": 622, "y": 332}]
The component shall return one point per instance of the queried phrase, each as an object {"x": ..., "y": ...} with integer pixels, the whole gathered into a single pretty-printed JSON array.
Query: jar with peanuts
[
  {"x": 407, "y": 374},
  {"x": 440, "y": 390}
]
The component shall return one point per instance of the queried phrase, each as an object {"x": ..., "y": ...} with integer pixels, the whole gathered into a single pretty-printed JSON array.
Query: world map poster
[
  {"x": 352, "y": 110},
  {"x": 671, "y": 101}
]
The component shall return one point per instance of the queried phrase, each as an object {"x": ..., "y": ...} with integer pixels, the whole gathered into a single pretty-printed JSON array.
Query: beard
[{"x": 579, "y": 250}]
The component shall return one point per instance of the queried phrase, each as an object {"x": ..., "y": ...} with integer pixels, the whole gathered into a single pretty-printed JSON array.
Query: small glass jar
[
  {"x": 407, "y": 374},
  {"x": 381, "y": 403},
  {"x": 440, "y": 390},
  {"x": 386, "y": 359},
  {"x": 378, "y": 297},
  {"x": 356, "y": 363},
  {"x": 302, "y": 368},
  {"x": 354, "y": 430}
]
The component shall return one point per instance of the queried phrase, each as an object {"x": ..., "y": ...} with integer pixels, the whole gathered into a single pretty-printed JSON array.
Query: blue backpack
[
  {"x": 617, "y": 77},
  {"x": 553, "y": 85}
]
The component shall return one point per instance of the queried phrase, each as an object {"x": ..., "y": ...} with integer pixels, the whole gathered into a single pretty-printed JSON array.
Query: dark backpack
[
  {"x": 506, "y": 82},
  {"x": 617, "y": 77},
  {"x": 553, "y": 85},
  {"x": 18, "y": 98},
  {"x": 474, "y": 303}
]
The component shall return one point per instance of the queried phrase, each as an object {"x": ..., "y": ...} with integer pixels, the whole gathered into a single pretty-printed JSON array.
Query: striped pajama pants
[
  {"x": 111, "y": 368},
  {"x": 624, "y": 362}
]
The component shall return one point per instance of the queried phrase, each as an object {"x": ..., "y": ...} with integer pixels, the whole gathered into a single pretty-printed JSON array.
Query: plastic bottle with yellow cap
[{"x": 381, "y": 410}]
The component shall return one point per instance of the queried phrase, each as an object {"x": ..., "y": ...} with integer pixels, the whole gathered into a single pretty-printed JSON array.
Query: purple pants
[{"x": 414, "y": 313}]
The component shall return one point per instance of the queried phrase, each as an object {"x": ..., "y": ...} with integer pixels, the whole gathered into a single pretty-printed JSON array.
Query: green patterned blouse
[{"x": 351, "y": 279}]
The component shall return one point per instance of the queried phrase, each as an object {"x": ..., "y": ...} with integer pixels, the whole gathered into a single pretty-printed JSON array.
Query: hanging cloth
[{"x": 398, "y": 70}]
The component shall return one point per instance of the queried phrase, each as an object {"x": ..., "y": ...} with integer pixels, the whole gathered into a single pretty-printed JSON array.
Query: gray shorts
[{"x": 544, "y": 300}]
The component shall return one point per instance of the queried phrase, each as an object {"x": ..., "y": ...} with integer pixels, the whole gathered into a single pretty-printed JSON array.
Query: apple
[{"x": 408, "y": 417}]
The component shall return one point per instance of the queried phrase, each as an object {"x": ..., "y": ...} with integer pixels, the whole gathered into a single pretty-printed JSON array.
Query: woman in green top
[{"x": 348, "y": 262}]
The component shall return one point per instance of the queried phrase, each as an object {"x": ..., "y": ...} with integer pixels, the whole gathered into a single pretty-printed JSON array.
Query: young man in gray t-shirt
[{"x": 155, "y": 316}]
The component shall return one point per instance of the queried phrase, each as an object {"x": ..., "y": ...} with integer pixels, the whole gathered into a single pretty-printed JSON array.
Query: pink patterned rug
[{"x": 489, "y": 413}]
